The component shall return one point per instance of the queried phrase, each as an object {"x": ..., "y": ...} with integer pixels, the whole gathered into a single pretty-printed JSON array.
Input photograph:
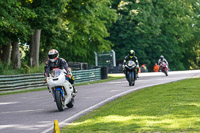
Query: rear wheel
[
  {"x": 59, "y": 100},
  {"x": 71, "y": 103}
]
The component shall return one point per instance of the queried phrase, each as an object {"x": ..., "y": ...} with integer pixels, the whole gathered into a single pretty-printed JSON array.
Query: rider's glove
[
  {"x": 137, "y": 66},
  {"x": 123, "y": 68},
  {"x": 69, "y": 76}
]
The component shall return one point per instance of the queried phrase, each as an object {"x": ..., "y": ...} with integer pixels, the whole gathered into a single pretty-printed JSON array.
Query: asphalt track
[{"x": 35, "y": 112}]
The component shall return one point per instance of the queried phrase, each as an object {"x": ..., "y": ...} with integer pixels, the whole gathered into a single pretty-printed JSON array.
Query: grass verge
[
  {"x": 173, "y": 107},
  {"x": 110, "y": 77},
  {"x": 21, "y": 91}
]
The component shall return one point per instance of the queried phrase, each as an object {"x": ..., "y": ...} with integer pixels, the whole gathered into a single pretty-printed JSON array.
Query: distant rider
[
  {"x": 60, "y": 63},
  {"x": 131, "y": 56},
  {"x": 162, "y": 59}
]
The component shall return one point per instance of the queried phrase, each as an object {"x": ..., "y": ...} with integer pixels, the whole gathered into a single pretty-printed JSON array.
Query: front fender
[{"x": 59, "y": 89}]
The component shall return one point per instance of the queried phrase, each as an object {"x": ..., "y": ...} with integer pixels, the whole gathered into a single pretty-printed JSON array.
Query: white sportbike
[{"x": 61, "y": 89}]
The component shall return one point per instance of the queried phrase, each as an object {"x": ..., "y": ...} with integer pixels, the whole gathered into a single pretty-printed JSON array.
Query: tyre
[
  {"x": 133, "y": 83},
  {"x": 166, "y": 73},
  {"x": 59, "y": 100},
  {"x": 130, "y": 79},
  {"x": 71, "y": 103},
  {"x": 133, "y": 79}
]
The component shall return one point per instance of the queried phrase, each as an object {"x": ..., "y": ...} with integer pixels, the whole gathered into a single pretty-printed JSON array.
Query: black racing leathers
[
  {"x": 134, "y": 58},
  {"x": 59, "y": 63}
]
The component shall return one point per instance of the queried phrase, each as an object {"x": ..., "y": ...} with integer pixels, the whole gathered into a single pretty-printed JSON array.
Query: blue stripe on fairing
[{"x": 61, "y": 90}]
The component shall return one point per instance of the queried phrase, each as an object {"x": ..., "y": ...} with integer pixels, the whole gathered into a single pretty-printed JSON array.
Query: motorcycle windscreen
[
  {"x": 55, "y": 73},
  {"x": 131, "y": 63}
]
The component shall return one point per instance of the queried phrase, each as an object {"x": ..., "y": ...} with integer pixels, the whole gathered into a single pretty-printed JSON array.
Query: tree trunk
[
  {"x": 6, "y": 53},
  {"x": 1, "y": 52},
  {"x": 15, "y": 57},
  {"x": 35, "y": 48}
]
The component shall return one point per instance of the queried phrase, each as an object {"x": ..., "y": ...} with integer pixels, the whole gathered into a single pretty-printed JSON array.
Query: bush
[{"x": 7, "y": 69}]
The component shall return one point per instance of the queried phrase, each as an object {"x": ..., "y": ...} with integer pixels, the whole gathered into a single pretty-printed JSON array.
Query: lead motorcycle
[
  {"x": 61, "y": 89},
  {"x": 130, "y": 72},
  {"x": 164, "y": 68}
]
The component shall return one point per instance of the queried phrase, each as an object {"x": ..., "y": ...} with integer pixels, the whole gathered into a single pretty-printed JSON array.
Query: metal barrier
[
  {"x": 82, "y": 76},
  {"x": 36, "y": 80}
]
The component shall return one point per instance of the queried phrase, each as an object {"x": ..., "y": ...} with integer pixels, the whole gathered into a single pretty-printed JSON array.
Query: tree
[
  {"x": 16, "y": 55},
  {"x": 14, "y": 26},
  {"x": 46, "y": 14},
  {"x": 87, "y": 23},
  {"x": 153, "y": 28}
]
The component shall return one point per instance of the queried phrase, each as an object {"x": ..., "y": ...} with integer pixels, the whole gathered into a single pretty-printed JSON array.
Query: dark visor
[{"x": 52, "y": 56}]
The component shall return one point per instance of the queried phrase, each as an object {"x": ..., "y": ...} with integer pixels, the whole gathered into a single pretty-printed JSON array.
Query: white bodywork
[{"x": 59, "y": 80}]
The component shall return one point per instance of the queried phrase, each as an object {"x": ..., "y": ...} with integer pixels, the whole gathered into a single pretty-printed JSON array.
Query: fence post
[{"x": 104, "y": 72}]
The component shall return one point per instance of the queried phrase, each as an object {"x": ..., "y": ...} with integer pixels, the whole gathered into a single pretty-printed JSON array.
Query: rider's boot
[
  {"x": 74, "y": 90},
  {"x": 137, "y": 75},
  {"x": 126, "y": 76},
  {"x": 49, "y": 89}
]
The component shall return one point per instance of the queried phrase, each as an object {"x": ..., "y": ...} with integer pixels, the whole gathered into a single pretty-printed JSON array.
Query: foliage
[
  {"x": 153, "y": 28},
  {"x": 6, "y": 69},
  {"x": 14, "y": 24},
  {"x": 77, "y": 28},
  {"x": 172, "y": 107},
  {"x": 87, "y": 23}
]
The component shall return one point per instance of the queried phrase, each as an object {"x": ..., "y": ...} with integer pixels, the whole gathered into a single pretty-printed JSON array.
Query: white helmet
[{"x": 53, "y": 55}]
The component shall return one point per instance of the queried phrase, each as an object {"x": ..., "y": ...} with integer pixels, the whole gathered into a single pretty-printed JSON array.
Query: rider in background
[
  {"x": 131, "y": 56},
  {"x": 162, "y": 59},
  {"x": 144, "y": 68},
  {"x": 55, "y": 62}
]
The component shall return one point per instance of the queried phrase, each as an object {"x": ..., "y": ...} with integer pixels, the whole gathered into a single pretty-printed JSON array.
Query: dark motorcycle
[
  {"x": 130, "y": 72},
  {"x": 164, "y": 68}
]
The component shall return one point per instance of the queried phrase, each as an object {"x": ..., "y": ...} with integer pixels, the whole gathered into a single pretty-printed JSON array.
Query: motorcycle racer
[
  {"x": 55, "y": 62},
  {"x": 162, "y": 59},
  {"x": 131, "y": 56}
]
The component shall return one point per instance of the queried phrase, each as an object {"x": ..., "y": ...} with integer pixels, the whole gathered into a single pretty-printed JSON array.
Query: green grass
[
  {"x": 21, "y": 91},
  {"x": 173, "y": 107}
]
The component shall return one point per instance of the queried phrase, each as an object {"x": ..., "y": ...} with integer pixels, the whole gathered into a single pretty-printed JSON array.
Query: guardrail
[
  {"x": 30, "y": 81},
  {"x": 82, "y": 76}
]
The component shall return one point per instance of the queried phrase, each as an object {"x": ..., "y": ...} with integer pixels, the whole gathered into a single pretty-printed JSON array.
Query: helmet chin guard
[{"x": 52, "y": 60}]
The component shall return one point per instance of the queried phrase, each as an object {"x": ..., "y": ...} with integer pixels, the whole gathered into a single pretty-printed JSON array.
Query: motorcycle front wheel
[
  {"x": 131, "y": 79},
  {"x": 59, "y": 100},
  {"x": 166, "y": 73}
]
